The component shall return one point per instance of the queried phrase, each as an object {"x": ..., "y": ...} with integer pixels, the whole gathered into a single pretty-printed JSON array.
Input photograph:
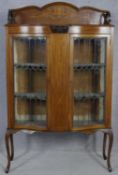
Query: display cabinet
[{"x": 59, "y": 71}]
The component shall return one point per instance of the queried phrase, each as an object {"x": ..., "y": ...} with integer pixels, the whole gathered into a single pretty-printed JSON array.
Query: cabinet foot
[{"x": 9, "y": 148}]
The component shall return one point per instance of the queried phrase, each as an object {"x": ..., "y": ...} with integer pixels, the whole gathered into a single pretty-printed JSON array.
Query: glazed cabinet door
[
  {"x": 30, "y": 81},
  {"x": 39, "y": 83},
  {"x": 91, "y": 81}
]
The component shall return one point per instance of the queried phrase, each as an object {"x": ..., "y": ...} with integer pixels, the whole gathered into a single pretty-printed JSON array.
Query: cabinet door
[
  {"x": 89, "y": 81},
  {"x": 30, "y": 93}
]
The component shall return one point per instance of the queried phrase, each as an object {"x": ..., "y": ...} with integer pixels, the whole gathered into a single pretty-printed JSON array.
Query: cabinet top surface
[{"x": 59, "y": 13}]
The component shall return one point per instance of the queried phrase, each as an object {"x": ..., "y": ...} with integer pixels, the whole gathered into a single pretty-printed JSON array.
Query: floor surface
[
  {"x": 56, "y": 155},
  {"x": 58, "y": 162}
]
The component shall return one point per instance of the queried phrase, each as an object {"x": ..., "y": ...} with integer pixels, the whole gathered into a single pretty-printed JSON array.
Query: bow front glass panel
[
  {"x": 30, "y": 91},
  {"x": 88, "y": 80}
]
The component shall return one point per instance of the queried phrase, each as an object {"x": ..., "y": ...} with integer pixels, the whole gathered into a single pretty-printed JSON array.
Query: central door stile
[{"x": 59, "y": 89}]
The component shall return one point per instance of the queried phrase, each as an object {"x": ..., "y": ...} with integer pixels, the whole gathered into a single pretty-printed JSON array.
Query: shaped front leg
[
  {"x": 108, "y": 138},
  {"x": 9, "y": 149},
  {"x": 104, "y": 146}
]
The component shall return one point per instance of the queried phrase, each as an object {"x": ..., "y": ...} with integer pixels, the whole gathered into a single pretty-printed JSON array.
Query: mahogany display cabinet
[{"x": 59, "y": 71}]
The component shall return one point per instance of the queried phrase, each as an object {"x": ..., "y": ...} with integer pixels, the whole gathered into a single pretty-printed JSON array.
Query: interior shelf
[
  {"x": 32, "y": 96},
  {"x": 84, "y": 96},
  {"x": 40, "y": 123},
  {"x": 80, "y": 123},
  {"x": 93, "y": 66},
  {"x": 31, "y": 66}
]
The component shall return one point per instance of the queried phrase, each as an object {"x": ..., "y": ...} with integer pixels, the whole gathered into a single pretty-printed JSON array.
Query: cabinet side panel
[{"x": 59, "y": 99}]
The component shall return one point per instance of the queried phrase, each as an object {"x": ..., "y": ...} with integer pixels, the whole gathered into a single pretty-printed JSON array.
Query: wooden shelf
[
  {"x": 31, "y": 66},
  {"x": 79, "y": 123},
  {"x": 31, "y": 96},
  {"x": 40, "y": 123},
  {"x": 93, "y": 66},
  {"x": 84, "y": 96}
]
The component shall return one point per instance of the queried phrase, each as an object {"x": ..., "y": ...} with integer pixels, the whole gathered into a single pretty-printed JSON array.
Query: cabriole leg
[
  {"x": 12, "y": 147},
  {"x": 9, "y": 148},
  {"x": 104, "y": 146},
  {"x": 8, "y": 152},
  {"x": 108, "y": 134}
]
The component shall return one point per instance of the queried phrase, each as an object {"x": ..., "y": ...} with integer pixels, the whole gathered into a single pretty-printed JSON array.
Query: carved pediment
[{"x": 59, "y": 13}]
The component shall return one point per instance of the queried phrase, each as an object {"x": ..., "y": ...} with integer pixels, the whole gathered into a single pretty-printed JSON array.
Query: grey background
[{"x": 61, "y": 141}]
